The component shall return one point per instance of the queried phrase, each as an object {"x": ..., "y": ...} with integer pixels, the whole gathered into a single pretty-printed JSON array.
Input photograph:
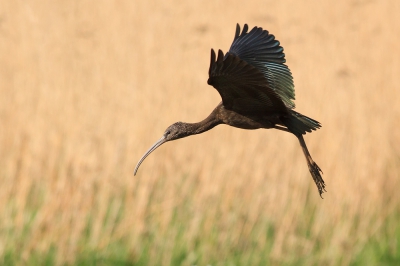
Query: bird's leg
[
  {"x": 312, "y": 166},
  {"x": 281, "y": 128}
]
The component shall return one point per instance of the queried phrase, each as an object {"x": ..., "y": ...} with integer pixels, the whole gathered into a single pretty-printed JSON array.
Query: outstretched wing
[
  {"x": 242, "y": 87},
  {"x": 260, "y": 49}
]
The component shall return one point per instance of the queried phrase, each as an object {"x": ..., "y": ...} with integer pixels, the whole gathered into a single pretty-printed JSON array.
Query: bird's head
[{"x": 175, "y": 131}]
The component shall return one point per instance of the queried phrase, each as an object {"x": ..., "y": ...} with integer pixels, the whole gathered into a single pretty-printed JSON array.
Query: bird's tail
[{"x": 299, "y": 124}]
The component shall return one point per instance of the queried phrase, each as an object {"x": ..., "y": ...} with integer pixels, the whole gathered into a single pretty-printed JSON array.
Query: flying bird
[{"x": 257, "y": 91}]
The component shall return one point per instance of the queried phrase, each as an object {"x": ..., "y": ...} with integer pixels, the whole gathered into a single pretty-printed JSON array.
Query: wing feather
[
  {"x": 243, "y": 88},
  {"x": 260, "y": 49}
]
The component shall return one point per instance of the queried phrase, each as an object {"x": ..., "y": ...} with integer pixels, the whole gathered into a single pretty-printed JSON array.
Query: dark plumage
[{"x": 257, "y": 91}]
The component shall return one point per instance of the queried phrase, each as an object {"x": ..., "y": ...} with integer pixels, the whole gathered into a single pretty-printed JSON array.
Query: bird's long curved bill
[{"x": 155, "y": 146}]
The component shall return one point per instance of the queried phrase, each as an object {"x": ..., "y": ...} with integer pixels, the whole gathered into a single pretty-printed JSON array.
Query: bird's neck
[{"x": 211, "y": 121}]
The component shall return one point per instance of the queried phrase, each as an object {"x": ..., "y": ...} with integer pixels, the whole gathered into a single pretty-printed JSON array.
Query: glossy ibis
[{"x": 257, "y": 91}]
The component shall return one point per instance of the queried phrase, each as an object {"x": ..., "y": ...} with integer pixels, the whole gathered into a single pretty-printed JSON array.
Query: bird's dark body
[
  {"x": 257, "y": 91},
  {"x": 238, "y": 120}
]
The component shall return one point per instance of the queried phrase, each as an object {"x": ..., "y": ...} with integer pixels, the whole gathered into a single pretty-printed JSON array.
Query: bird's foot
[{"x": 316, "y": 174}]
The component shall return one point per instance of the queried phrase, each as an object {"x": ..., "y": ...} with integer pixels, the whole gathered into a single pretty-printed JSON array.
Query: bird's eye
[{"x": 167, "y": 133}]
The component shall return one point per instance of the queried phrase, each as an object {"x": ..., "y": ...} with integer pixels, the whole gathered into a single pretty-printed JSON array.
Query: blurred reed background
[{"x": 87, "y": 86}]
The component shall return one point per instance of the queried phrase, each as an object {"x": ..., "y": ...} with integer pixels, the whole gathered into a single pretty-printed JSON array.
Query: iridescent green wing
[
  {"x": 260, "y": 49},
  {"x": 242, "y": 87}
]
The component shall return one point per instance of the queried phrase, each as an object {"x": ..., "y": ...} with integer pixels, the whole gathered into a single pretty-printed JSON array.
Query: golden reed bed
[{"x": 86, "y": 87}]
